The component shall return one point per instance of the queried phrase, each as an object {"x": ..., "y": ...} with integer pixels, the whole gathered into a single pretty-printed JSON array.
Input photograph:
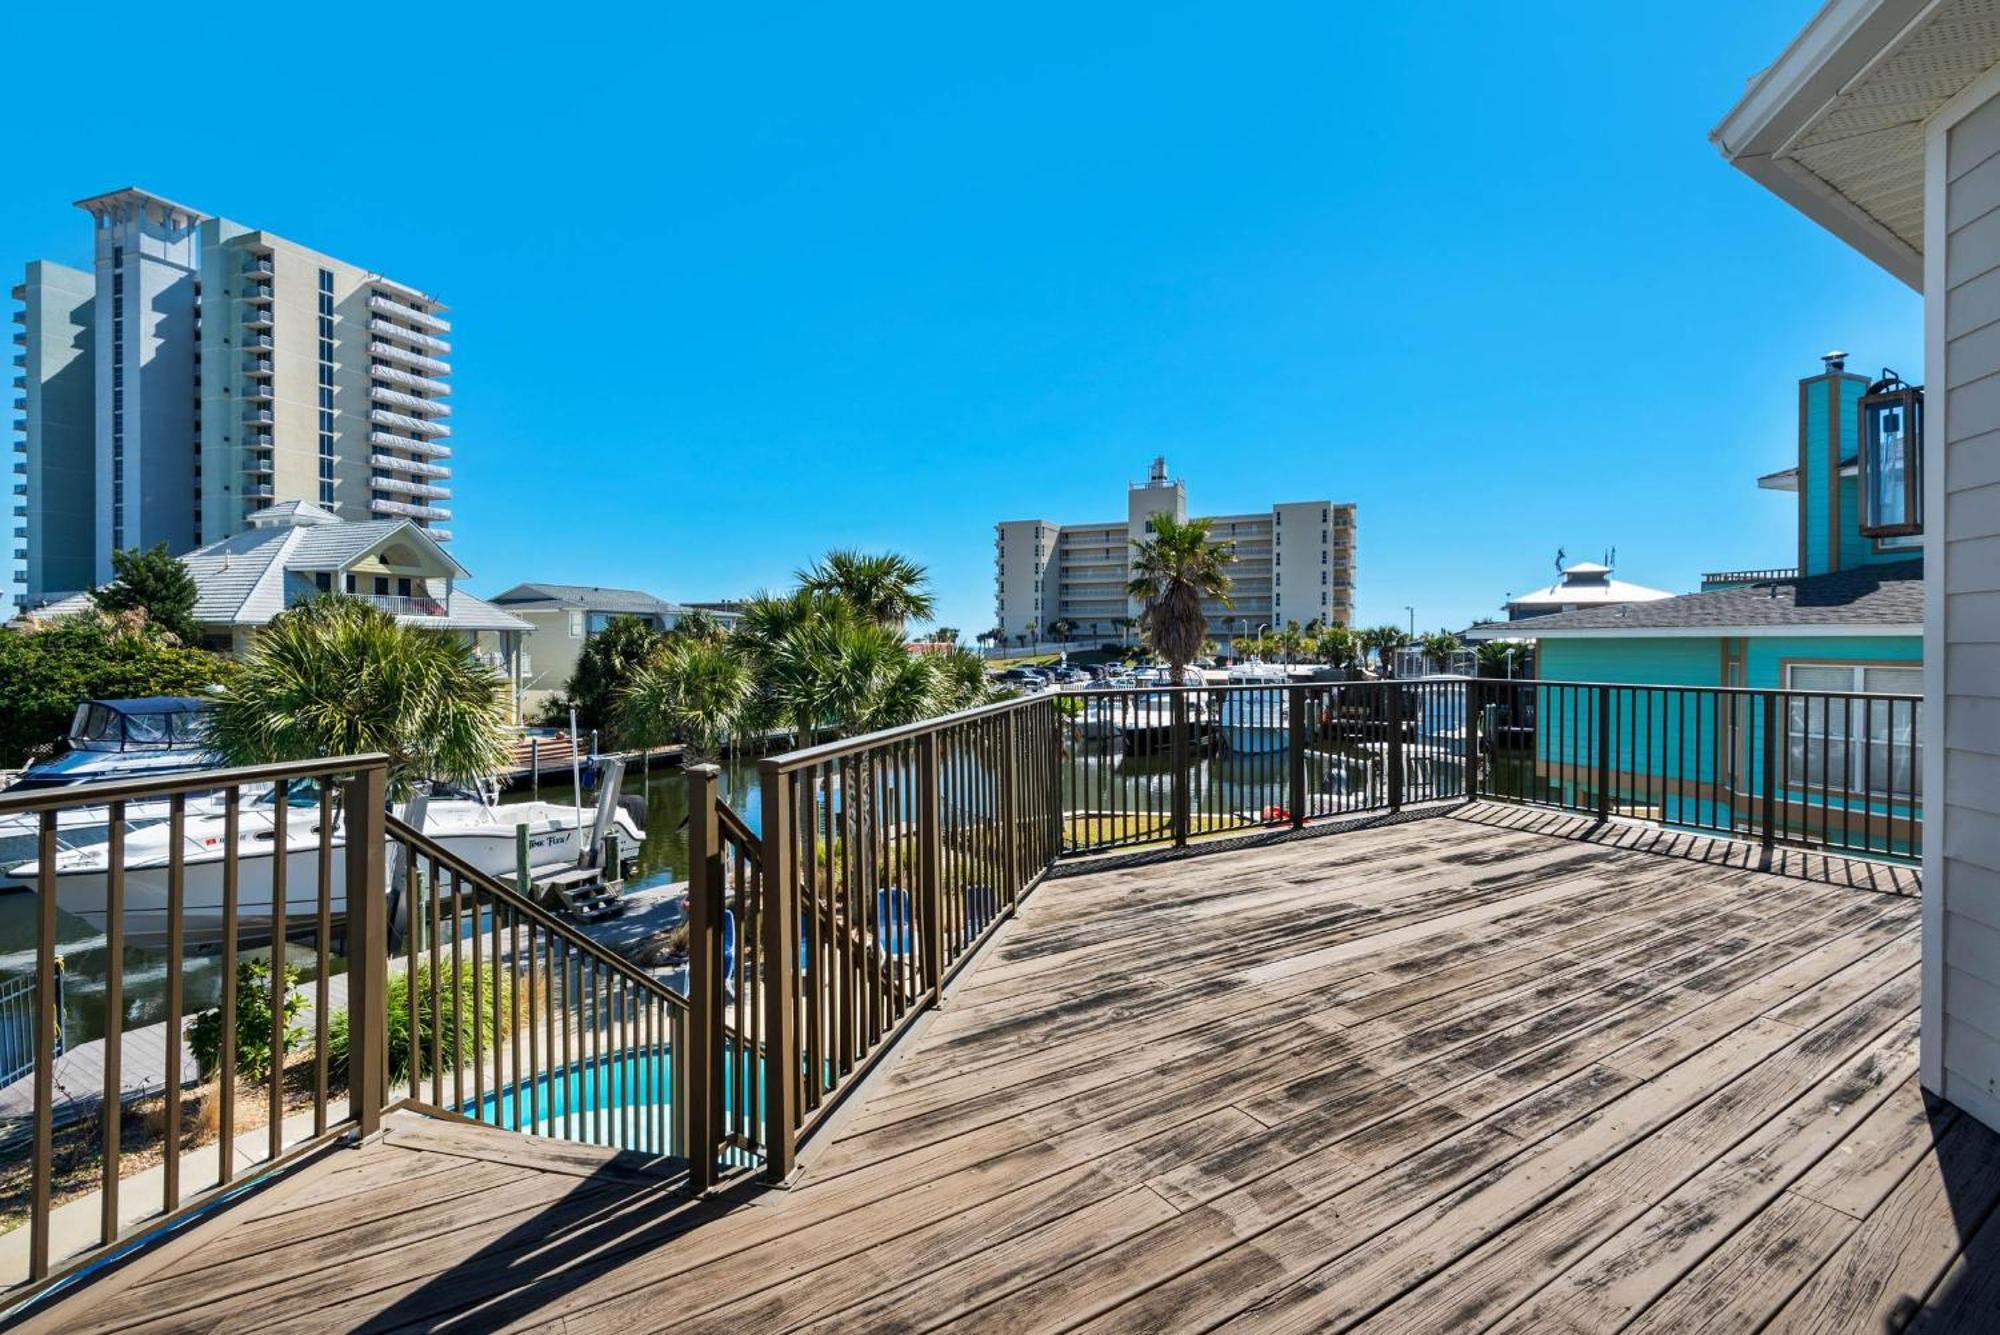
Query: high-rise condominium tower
[
  {"x": 204, "y": 372},
  {"x": 1294, "y": 562}
]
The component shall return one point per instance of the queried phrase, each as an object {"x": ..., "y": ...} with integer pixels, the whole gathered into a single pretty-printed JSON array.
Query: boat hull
[{"x": 83, "y": 892}]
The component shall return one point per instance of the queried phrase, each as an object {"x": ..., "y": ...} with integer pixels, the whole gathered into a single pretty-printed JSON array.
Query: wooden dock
[{"x": 1495, "y": 1071}]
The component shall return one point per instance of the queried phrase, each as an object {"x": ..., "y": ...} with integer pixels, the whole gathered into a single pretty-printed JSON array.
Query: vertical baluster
[
  {"x": 514, "y": 1010},
  {"x": 47, "y": 1021},
  {"x": 433, "y": 924},
  {"x": 572, "y": 1080},
  {"x": 458, "y": 994},
  {"x": 281, "y": 853},
  {"x": 111, "y": 1106},
  {"x": 538, "y": 1074},
  {"x": 478, "y": 993},
  {"x": 176, "y": 924},
  {"x": 323, "y": 955},
  {"x": 225, "y": 1077},
  {"x": 413, "y": 918}
]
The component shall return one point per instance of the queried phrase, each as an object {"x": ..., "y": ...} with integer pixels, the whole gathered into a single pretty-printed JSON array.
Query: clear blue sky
[{"x": 733, "y": 289}]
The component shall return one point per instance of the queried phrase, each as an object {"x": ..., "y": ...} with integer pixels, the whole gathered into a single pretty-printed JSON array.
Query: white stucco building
[
  {"x": 1881, "y": 122},
  {"x": 1294, "y": 562}
]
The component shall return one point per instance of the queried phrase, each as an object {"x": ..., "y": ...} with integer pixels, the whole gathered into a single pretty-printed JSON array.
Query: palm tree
[
  {"x": 335, "y": 676},
  {"x": 1383, "y": 641},
  {"x": 1290, "y": 641},
  {"x": 1439, "y": 648},
  {"x": 889, "y": 589},
  {"x": 1172, "y": 572},
  {"x": 1061, "y": 629},
  {"x": 1339, "y": 646},
  {"x": 694, "y": 691}
]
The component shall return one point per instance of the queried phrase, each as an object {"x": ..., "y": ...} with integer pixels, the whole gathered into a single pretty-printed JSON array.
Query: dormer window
[{"x": 1892, "y": 421}]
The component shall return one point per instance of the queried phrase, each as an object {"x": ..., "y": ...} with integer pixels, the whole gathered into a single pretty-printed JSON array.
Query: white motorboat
[
  {"x": 110, "y": 740},
  {"x": 472, "y": 828},
  {"x": 1255, "y": 722}
]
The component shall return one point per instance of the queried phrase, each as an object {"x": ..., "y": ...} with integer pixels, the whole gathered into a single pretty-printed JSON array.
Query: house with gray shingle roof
[
  {"x": 565, "y": 616},
  {"x": 1848, "y": 617},
  {"x": 296, "y": 550}
]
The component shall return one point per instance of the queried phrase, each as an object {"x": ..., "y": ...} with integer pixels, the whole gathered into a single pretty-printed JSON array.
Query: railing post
[
  {"x": 1603, "y": 740},
  {"x": 364, "y": 807},
  {"x": 782, "y": 1092},
  {"x": 1474, "y": 705},
  {"x": 705, "y": 973},
  {"x": 1392, "y": 713},
  {"x": 930, "y": 896},
  {"x": 1768, "y": 787},
  {"x": 1299, "y": 722},
  {"x": 1177, "y": 751}
]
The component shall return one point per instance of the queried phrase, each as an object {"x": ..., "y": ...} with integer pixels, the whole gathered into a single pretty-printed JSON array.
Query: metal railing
[
  {"x": 180, "y": 901},
  {"x": 17, "y": 1024},
  {"x": 503, "y": 1013},
  {"x": 373, "y": 966},
  {"x": 1749, "y": 576},
  {"x": 883, "y": 862},
  {"x": 1162, "y": 764},
  {"x": 1828, "y": 770}
]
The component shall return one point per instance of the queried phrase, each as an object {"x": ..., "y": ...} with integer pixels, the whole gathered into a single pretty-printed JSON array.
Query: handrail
[
  {"x": 401, "y": 831},
  {"x": 821, "y": 752},
  {"x": 213, "y": 780}
]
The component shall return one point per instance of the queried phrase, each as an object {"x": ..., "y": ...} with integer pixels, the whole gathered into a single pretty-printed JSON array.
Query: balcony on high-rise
[
  {"x": 401, "y": 422},
  {"x": 408, "y": 402},
  {"x": 388, "y": 329},
  {"x": 401, "y": 310}
]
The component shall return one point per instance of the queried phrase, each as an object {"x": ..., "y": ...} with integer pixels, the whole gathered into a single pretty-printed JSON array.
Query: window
[{"x": 1854, "y": 744}]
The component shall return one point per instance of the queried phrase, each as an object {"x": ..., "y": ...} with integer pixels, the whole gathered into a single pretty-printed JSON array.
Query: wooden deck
[{"x": 1456, "y": 1074}]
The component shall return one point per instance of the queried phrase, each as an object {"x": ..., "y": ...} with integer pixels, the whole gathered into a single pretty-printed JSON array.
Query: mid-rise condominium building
[
  {"x": 1294, "y": 562},
  {"x": 203, "y": 372}
]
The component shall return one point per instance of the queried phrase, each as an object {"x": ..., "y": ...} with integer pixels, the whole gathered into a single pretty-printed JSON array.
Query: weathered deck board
[{"x": 1506, "y": 1069}]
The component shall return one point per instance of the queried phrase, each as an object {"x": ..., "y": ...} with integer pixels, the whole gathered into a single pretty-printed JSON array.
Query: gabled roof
[
  {"x": 250, "y": 577},
  {"x": 1883, "y": 599},
  {"x": 588, "y": 597}
]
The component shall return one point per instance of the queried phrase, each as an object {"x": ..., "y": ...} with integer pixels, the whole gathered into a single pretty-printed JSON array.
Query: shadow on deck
[{"x": 1489, "y": 1071}]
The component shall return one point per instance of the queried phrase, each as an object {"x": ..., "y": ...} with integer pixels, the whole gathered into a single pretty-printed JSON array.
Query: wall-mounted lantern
[{"x": 1892, "y": 435}]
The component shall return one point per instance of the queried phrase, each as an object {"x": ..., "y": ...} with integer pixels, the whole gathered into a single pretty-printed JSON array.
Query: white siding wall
[{"x": 1962, "y": 920}]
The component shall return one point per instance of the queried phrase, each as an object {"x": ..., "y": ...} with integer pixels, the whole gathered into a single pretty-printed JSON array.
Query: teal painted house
[{"x": 1846, "y": 621}]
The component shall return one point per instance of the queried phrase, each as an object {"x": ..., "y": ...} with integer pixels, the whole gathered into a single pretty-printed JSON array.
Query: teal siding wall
[
  {"x": 1696, "y": 661},
  {"x": 1670, "y": 754},
  {"x": 1765, "y": 658}
]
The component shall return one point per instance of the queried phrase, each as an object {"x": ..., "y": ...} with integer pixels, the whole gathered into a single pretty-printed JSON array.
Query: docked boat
[
  {"x": 1254, "y": 721},
  {"x": 110, "y": 740},
  {"x": 470, "y": 826}
]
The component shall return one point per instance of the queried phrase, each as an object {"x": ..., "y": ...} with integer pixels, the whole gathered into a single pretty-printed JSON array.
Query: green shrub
[
  {"x": 486, "y": 995},
  {"x": 253, "y": 1023}
]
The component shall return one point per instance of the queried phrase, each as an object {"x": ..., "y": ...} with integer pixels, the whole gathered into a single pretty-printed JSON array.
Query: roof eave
[
  {"x": 1807, "y": 630},
  {"x": 1839, "y": 46}
]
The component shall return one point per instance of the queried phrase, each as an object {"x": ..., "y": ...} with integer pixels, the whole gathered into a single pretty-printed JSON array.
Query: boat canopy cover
[{"x": 159, "y": 720}]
